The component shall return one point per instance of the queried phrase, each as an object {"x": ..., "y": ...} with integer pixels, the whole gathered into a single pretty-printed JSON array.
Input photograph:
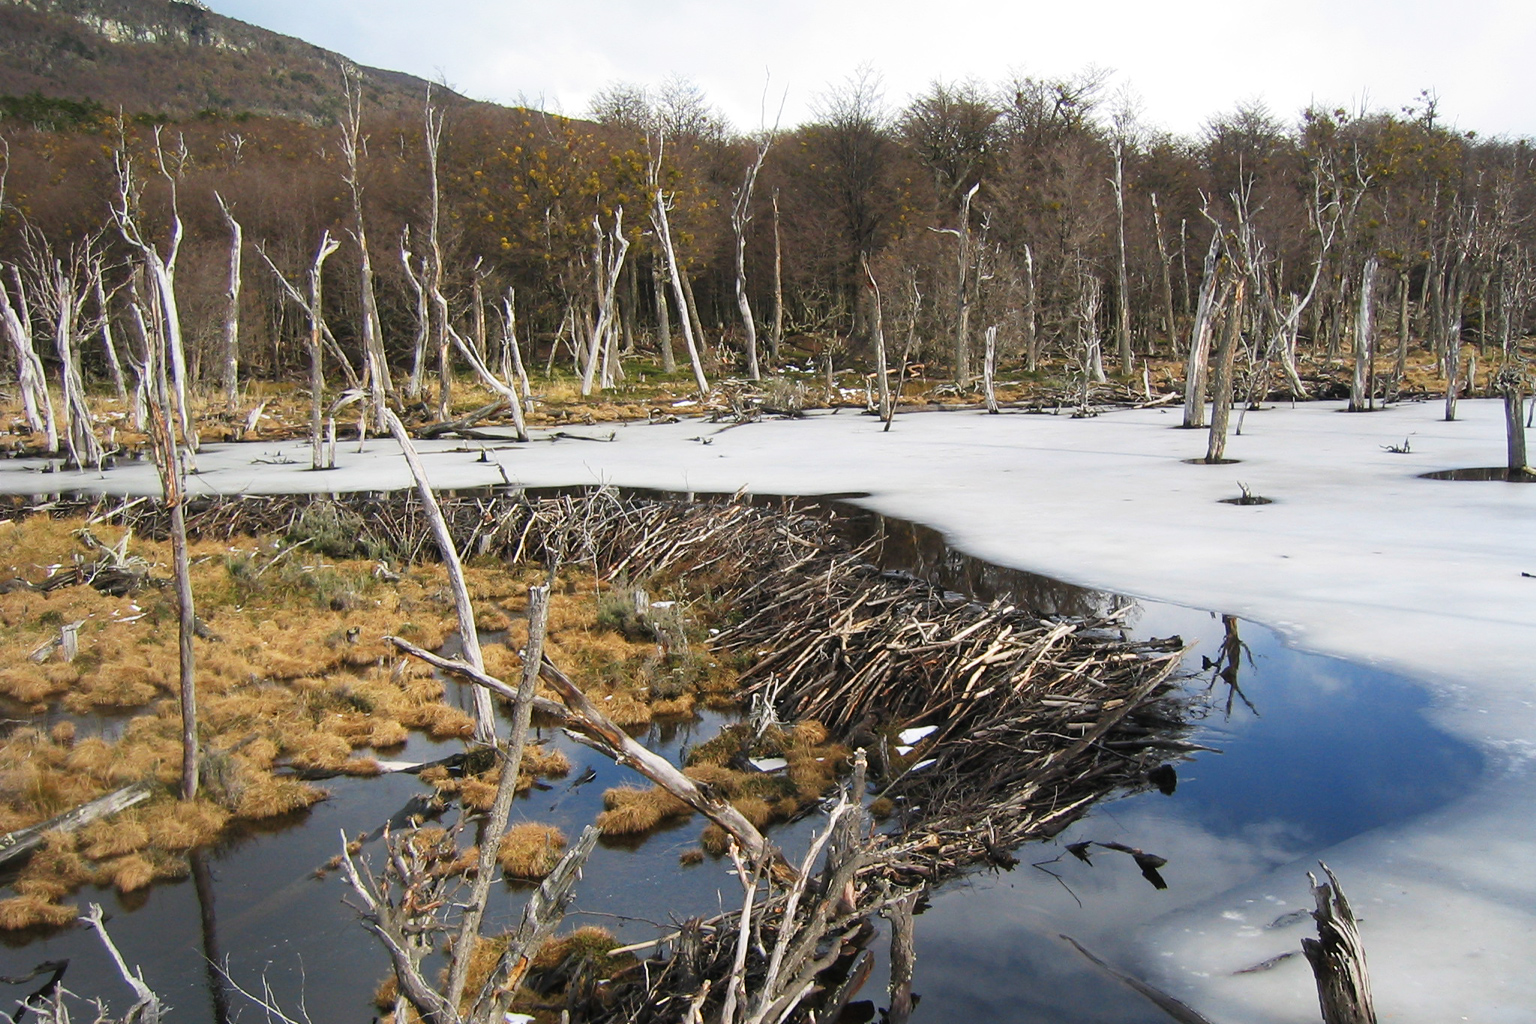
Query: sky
[{"x": 1182, "y": 61}]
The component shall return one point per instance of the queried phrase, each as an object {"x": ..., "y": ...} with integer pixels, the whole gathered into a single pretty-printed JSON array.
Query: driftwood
[
  {"x": 19, "y": 844},
  {"x": 1338, "y": 957}
]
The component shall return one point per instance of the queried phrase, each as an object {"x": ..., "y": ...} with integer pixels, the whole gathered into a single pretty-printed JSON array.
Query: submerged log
[{"x": 17, "y": 845}]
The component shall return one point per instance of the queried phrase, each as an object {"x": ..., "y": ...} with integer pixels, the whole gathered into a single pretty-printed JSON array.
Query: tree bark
[
  {"x": 1122, "y": 284},
  {"x": 1338, "y": 957},
  {"x": 679, "y": 283},
  {"x": 1165, "y": 261},
  {"x": 776, "y": 339},
  {"x": 883, "y": 377},
  {"x": 1222, "y": 385},
  {"x": 989, "y": 370},
  {"x": 1365, "y": 324},
  {"x": 1200, "y": 341},
  {"x": 663, "y": 320},
  {"x": 231, "y": 332}
]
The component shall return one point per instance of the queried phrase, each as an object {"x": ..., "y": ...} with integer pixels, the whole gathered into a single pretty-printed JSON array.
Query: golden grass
[
  {"x": 300, "y": 676},
  {"x": 20, "y": 912},
  {"x": 530, "y": 850},
  {"x": 633, "y": 811}
]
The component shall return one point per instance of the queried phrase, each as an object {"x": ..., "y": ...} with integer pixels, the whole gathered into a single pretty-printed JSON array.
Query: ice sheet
[{"x": 1356, "y": 557}]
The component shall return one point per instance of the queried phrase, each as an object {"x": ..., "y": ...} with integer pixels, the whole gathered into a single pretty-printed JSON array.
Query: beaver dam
[{"x": 893, "y": 733}]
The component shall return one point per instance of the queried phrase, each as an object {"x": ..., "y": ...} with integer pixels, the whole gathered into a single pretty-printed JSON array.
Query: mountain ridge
[{"x": 180, "y": 58}]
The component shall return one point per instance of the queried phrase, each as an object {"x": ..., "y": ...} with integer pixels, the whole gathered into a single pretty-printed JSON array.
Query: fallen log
[{"x": 19, "y": 844}]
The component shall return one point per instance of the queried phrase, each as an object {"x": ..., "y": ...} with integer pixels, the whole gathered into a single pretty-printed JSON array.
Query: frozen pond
[{"x": 1358, "y": 558}]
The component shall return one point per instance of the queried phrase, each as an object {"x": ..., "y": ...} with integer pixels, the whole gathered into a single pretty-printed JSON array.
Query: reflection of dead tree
[
  {"x": 1228, "y": 664},
  {"x": 319, "y": 332}
]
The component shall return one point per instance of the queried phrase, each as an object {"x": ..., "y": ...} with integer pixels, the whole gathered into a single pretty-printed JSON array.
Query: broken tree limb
[
  {"x": 146, "y": 1009},
  {"x": 18, "y": 844},
  {"x": 541, "y": 915},
  {"x": 587, "y": 720},
  {"x": 1337, "y": 956},
  {"x": 485, "y": 718},
  {"x": 583, "y": 718}
]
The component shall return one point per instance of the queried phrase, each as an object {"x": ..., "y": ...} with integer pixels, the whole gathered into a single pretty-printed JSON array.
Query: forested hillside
[{"x": 1035, "y": 206}]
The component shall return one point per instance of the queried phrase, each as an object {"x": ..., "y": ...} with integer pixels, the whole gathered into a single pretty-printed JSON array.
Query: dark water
[{"x": 1314, "y": 750}]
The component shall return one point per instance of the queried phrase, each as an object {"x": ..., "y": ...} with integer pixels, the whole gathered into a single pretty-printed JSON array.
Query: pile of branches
[{"x": 1032, "y": 718}]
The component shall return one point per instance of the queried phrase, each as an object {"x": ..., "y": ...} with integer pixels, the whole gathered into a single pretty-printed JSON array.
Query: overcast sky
[{"x": 1184, "y": 59}]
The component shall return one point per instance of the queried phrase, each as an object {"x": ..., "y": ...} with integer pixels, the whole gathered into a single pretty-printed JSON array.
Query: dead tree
[
  {"x": 881, "y": 374},
  {"x": 607, "y": 263},
  {"x": 376, "y": 363},
  {"x": 989, "y": 371},
  {"x": 1090, "y": 296},
  {"x": 660, "y": 204},
  {"x": 512, "y": 350},
  {"x": 434, "y": 273},
  {"x": 1200, "y": 340},
  {"x": 964, "y": 257},
  {"x": 1360, "y": 400},
  {"x": 1511, "y": 382},
  {"x": 16, "y": 320},
  {"x": 663, "y": 318},
  {"x": 1031, "y": 314},
  {"x": 741, "y": 216},
  {"x": 507, "y": 389},
  {"x": 318, "y": 334},
  {"x": 231, "y": 332},
  {"x": 161, "y": 270},
  {"x": 171, "y": 468},
  {"x": 1122, "y": 284},
  {"x": 1165, "y": 262},
  {"x": 469, "y": 636},
  {"x": 109, "y": 347},
  {"x": 1221, "y": 386},
  {"x": 423, "y": 315},
  {"x": 67, "y": 295},
  {"x": 1337, "y": 956},
  {"x": 776, "y": 338}
]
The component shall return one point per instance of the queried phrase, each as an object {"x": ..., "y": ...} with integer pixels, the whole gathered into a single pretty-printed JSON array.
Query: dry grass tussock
[
  {"x": 294, "y": 672},
  {"x": 529, "y": 850}
]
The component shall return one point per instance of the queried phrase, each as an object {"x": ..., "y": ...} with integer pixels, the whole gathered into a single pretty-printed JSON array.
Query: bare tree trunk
[
  {"x": 380, "y": 386},
  {"x": 231, "y": 368},
  {"x": 663, "y": 321},
  {"x": 169, "y": 463},
  {"x": 884, "y": 380},
  {"x": 434, "y": 274},
  {"x": 1365, "y": 324},
  {"x": 1338, "y": 957},
  {"x": 629, "y": 298},
  {"x": 1200, "y": 341},
  {"x": 693, "y": 310},
  {"x": 1511, "y": 381},
  {"x": 777, "y": 337},
  {"x": 423, "y": 319},
  {"x": 610, "y": 252},
  {"x": 1165, "y": 260},
  {"x": 679, "y": 281},
  {"x": 1222, "y": 386},
  {"x": 741, "y": 216},
  {"x": 903, "y": 955},
  {"x": 1400, "y": 370},
  {"x": 162, "y": 272},
  {"x": 469, "y": 636},
  {"x": 510, "y": 305},
  {"x": 1456, "y": 300},
  {"x": 114, "y": 364},
  {"x": 1031, "y": 314},
  {"x": 1122, "y": 285},
  {"x": 29, "y": 368},
  {"x": 962, "y": 343},
  {"x": 79, "y": 430},
  {"x": 989, "y": 370}
]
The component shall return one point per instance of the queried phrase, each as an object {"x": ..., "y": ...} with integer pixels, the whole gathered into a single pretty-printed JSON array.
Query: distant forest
[{"x": 1033, "y": 206}]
